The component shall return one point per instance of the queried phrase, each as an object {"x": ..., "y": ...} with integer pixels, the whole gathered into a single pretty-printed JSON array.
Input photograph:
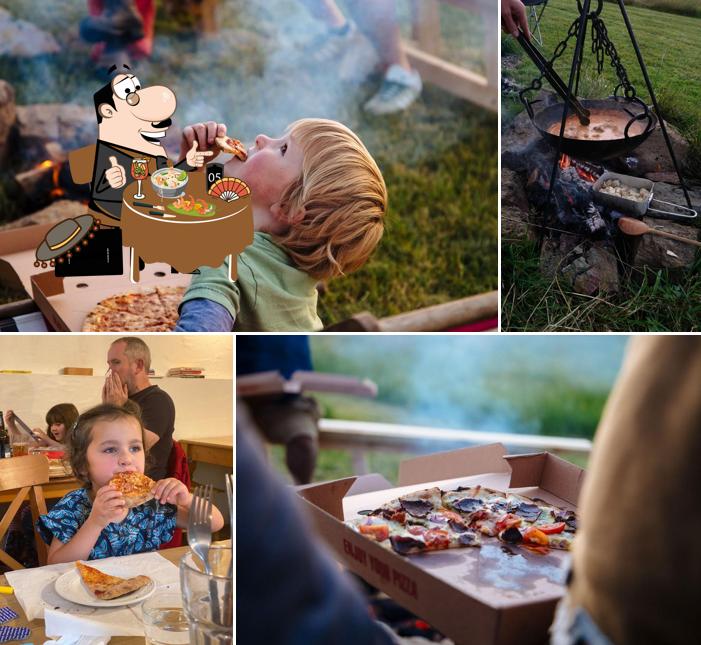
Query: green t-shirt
[{"x": 270, "y": 293}]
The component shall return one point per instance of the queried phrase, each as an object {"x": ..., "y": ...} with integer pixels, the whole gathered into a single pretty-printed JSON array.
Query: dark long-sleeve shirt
[{"x": 290, "y": 592}]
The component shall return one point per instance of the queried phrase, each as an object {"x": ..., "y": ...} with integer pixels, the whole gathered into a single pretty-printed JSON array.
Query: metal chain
[
  {"x": 602, "y": 46},
  {"x": 537, "y": 82}
]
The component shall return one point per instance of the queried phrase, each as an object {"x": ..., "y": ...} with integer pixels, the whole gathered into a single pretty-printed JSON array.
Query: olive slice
[
  {"x": 406, "y": 545},
  {"x": 468, "y": 504},
  {"x": 417, "y": 507}
]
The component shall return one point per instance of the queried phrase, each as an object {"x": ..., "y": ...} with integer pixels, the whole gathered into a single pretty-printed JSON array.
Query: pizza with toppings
[
  {"x": 232, "y": 146},
  {"x": 432, "y": 519},
  {"x": 106, "y": 587},
  {"x": 136, "y": 487},
  {"x": 151, "y": 309}
]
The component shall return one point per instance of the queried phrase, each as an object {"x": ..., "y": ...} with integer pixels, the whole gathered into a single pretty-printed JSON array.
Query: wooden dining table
[
  {"x": 37, "y": 634},
  {"x": 217, "y": 451}
]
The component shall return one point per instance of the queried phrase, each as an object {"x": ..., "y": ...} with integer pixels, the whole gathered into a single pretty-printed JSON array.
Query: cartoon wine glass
[{"x": 139, "y": 171}]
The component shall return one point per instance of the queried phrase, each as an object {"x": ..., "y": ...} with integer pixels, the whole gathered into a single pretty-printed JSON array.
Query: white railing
[{"x": 359, "y": 437}]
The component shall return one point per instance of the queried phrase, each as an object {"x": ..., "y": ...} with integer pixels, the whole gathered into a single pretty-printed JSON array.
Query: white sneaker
[
  {"x": 331, "y": 45},
  {"x": 399, "y": 89}
]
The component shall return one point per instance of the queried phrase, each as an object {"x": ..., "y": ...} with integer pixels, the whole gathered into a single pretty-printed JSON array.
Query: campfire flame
[
  {"x": 56, "y": 191},
  {"x": 583, "y": 170}
]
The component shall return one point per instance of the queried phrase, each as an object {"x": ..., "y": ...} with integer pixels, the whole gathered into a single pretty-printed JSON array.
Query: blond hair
[
  {"x": 343, "y": 196},
  {"x": 136, "y": 349}
]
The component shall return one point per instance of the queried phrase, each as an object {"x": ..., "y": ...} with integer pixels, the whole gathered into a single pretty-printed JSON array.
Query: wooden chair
[{"x": 26, "y": 475}]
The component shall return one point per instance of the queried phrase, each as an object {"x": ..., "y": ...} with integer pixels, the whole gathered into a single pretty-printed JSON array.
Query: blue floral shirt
[{"x": 145, "y": 528}]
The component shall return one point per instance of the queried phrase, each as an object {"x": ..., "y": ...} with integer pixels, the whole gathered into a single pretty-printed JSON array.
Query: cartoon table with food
[
  {"x": 177, "y": 220},
  {"x": 163, "y": 213}
]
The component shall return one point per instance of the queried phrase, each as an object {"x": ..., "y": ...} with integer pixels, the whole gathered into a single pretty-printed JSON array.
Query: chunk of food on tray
[
  {"x": 189, "y": 205},
  {"x": 619, "y": 189},
  {"x": 432, "y": 519},
  {"x": 106, "y": 587},
  {"x": 151, "y": 309}
]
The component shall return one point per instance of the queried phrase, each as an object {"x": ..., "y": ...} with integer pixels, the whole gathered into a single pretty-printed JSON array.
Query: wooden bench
[
  {"x": 457, "y": 315},
  {"x": 425, "y": 47}
]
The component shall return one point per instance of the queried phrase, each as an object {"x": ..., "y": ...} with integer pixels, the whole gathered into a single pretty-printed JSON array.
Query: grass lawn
[
  {"x": 439, "y": 158},
  {"x": 648, "y": 302}
]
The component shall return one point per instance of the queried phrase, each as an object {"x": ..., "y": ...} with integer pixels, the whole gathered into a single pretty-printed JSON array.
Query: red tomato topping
[
  {"x": 437, "y": 539},
  {"x": 507, "y": 521},
  {"x": 379, "y": 532},
  {"x": 549, "y": 529},
  {"x": 398, "y": 516},
  {"x": 416, "y": 530}
]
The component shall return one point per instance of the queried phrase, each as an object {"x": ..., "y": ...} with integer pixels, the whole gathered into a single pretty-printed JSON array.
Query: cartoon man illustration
[{"x": 132, "y": 121}]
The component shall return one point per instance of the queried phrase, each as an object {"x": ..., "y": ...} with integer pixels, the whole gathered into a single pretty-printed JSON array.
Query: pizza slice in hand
[
  {"x": 232, "y": 146},
  {"x": 136, "y": 487},
  {"x": 106, "y": 587}
]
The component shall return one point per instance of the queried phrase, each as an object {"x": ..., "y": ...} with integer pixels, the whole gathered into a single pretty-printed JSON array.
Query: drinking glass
[
  {"x": 208, "y": 599},
  {"x": 164, "y": 619},
  {"x": 20, "y": 448},
  {"x": 139, "y": 171}
]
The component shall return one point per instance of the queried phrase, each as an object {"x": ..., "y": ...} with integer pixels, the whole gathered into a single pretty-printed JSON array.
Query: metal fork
[
  {"x": 199, "y": 525},
  {"x": 199, "y": 537},
  {"x": 228, "y": 596}
]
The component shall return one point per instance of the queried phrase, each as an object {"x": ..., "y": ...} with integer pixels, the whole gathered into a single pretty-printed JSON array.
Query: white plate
[{"x": 70, "y": 586}]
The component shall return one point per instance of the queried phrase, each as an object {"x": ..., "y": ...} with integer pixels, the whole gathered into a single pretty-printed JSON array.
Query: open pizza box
[
  {"x": 497, "y": 594},
  {"x": 65, "y": 302}
]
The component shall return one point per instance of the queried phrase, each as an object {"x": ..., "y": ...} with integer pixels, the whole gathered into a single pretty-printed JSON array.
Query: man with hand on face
[{"x": 129, "y": 361}]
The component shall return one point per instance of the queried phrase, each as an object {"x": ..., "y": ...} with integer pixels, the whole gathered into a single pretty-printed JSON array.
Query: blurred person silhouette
[
  {"x": 287, "y": 419},
  {"x": 401, "y": 84},
  {"x": 636, "y": 566},
  {"x": 120, "y": 29},
  {"x": 513, "y": 16},
  {"x": 59, "y": 421},
  {"x": 310, "y": 601}
]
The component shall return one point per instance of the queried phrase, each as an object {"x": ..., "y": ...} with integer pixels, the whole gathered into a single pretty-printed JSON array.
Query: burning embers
[
  {"x": 587, "y": 171},
  {"x": 573, "y": 195}
]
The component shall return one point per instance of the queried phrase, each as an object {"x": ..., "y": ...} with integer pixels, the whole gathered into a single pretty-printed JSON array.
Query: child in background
[
  {"x": 93, "y": 522},
  {"x": 319, "y": 202},
  {"x": 59, "y": 420}
]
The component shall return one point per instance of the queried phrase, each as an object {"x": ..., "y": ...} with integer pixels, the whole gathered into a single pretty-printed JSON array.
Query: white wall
[{"x": 203, "y": 406}]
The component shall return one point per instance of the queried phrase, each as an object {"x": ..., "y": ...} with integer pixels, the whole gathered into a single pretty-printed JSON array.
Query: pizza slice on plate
[
  {"x": 106, "y": 587},
  {"x": 136, "y": 487}
]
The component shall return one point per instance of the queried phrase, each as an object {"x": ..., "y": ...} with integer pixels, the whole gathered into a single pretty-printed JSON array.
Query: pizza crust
[{"x": 106, "y": 587}]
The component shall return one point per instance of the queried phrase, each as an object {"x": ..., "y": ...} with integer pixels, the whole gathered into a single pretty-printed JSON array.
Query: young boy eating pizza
[{"x": 319, "y": 202}]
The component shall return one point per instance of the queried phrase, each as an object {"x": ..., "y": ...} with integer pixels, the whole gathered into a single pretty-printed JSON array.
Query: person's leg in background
[
  {"x": 290, "y": 420},
  {"x": 339, "y": 33},
  {"x": 401, "y": 84}
]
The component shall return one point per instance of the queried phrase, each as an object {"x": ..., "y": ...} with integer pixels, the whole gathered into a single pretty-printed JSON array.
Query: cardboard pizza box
[
  {"x": 65, "y": 302},
  {"x": 497, "y": 594}
]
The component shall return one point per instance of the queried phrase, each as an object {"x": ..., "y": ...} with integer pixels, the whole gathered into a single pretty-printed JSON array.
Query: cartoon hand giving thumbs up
[
  {"x": 194, "y": 157},
  {"x": 116, "y": 176}
]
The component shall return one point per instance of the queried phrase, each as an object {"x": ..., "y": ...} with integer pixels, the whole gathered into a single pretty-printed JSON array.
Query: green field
[
  {"x": 439, "y": 158},
  {"x": 648, "y": 302}
]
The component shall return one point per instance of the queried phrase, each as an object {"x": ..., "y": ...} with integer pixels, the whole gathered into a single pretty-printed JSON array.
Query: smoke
[{"x": 473, "y": 382}]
